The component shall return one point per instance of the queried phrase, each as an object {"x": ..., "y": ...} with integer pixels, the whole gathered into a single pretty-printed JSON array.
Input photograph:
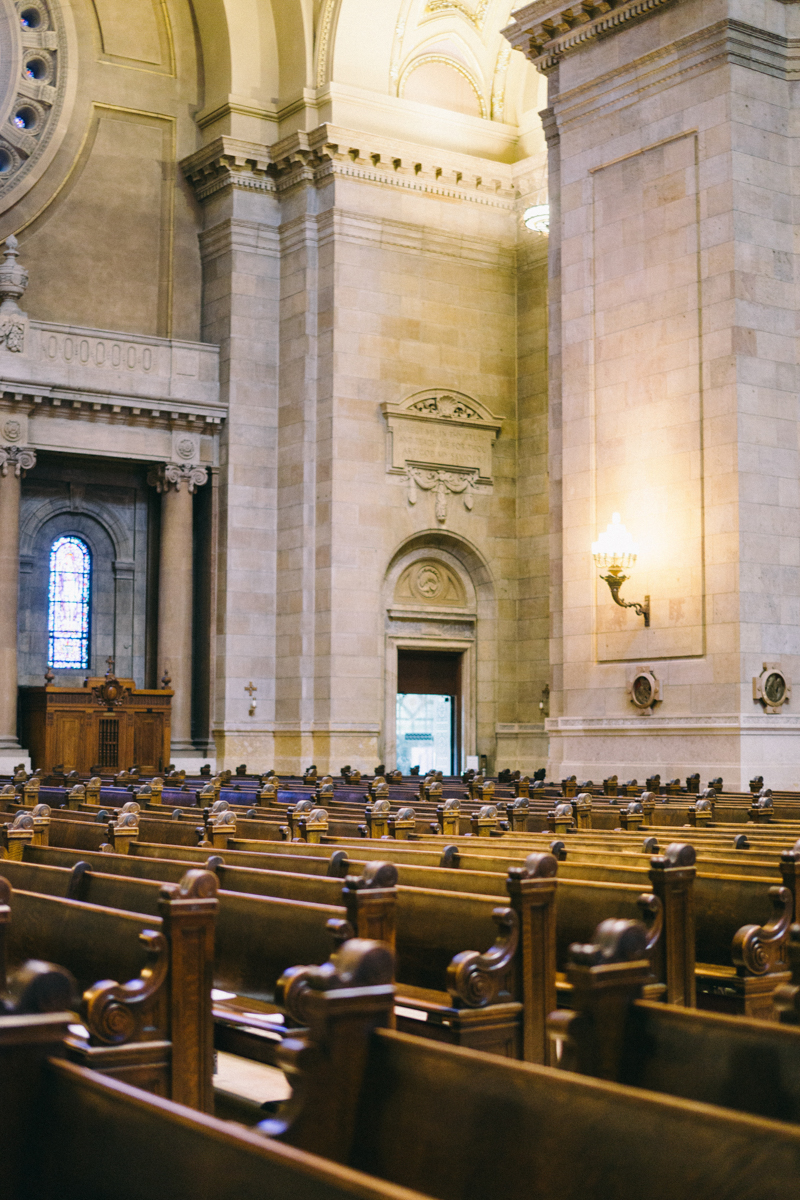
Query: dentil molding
[{"x": 330, "y": 150}]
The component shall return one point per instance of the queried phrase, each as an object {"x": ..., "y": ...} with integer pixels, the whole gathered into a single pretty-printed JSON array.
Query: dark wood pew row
[
  {"x": 370, "y": 1096},
  {"x": 68, "y": 1133},
  {"x": 614, "y": 1033},
  {"x": 723, "y": 904},
  {"x": 145, "y": 979},
  {"x": 166, "y": 832},
  {"x": 469, "y": 970},
  {"x": 701, "y": 915},
  {"x": 218, "y": 827}
]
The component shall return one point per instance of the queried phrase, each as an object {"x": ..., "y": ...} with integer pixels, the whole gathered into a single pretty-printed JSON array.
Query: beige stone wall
[
  {"x": 533, "y": 505},
  {"x": 339, "y": 267},
  {"x": 678, "y": 386},
  {"x": 384, "y": 295},
  {"x": 109, "y": 232}
]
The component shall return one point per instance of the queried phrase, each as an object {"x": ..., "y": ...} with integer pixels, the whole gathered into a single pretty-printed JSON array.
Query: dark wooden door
[
  {"x": 148, "y": 738},
  {"x": 68, "y": 741}
]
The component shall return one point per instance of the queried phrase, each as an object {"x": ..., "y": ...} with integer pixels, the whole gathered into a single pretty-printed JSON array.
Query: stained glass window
[{"x": 68, "y": 608}]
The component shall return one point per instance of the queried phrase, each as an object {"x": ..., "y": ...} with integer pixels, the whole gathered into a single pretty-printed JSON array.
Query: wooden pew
[
  {"x": 474, "y": 1127},
  {"x": 68, "y": 1133},
  {"x": 614, "y": 1033},
  {"x": 152, "y": 1028},
  {"x": 701, "y": 918},
  {"x": 455, "y": 982}
]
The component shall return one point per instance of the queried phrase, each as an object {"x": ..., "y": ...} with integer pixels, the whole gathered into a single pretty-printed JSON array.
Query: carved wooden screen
[{"x": 108, "y": 742}]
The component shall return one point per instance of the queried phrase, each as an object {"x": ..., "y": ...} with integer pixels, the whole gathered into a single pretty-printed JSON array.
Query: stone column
[
  {"x": 177, "y": 483},
  {"x": 14, "y": 462}
]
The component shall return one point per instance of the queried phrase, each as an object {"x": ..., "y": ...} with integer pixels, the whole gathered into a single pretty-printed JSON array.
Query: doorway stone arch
[{"x": 439, "y": 595}]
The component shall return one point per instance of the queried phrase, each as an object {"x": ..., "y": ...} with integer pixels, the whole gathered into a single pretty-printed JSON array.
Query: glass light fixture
[
  {"x": 614, "y": 552},
  {"x": 537, "y": 218}
]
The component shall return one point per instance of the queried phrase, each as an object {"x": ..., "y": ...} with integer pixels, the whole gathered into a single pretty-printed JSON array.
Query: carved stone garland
[
  {"x": 441, "y": 442},
  {"x": 442, "y": 483}
]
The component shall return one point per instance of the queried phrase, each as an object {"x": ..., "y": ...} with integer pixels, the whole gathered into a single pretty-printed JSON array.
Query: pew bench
[
  {"x": 68, "y": 1133},
  {"x": 473, "y": 1127},
  {"x": 145, "y": 979}
]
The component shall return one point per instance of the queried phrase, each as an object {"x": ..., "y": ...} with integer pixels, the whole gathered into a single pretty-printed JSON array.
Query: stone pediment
[{"x": 441, "y": 428}]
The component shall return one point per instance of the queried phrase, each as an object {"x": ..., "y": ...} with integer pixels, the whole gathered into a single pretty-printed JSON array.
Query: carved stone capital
[
  {"x": 169, "y": 476},
  {"x": 19, "y": 458}
]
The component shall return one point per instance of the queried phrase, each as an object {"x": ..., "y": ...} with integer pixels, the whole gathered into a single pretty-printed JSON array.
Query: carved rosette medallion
[
  {"x": 185, "y": 447},
  {"x": 644, "y": 690},
  {"x": 441, "y": 442},
  {"x": 772, "y": 687}
]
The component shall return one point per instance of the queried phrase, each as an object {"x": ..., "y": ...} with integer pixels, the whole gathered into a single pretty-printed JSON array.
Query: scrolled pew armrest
[
  {"x": 113, "y": 1011},
  {"x": 761, "y": 949},
  {"x": 476, "y": 979}
]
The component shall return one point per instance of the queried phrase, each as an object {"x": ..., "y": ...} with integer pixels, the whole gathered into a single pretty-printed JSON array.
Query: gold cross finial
[{"x": 251, "y": 688}]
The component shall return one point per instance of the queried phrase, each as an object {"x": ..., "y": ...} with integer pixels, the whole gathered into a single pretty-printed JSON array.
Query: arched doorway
[{"x": 439, "y": 602}]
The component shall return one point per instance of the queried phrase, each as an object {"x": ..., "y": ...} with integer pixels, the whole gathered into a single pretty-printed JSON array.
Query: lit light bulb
[
  {"x": 615, "y": 549},
  {"x": 537, "y": 218}
]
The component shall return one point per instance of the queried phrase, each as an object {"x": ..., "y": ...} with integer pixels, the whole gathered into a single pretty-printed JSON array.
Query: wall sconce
[
  {"x": 252, "y": 688},
  {"x": 613, "y": 551}
]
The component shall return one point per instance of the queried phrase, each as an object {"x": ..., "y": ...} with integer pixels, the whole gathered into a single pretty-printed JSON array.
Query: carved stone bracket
[
  {"x": 441, "y": 483},
  {"x": 170, "y": 476},
  {"x": 19, "y": 458}
]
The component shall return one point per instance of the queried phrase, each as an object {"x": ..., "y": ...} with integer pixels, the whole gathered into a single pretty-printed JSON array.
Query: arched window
[{"x": 68, "y": 607}]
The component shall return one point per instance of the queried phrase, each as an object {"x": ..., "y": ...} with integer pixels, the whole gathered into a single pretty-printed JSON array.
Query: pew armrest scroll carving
[
  {"x": 761, "y": 949},
  {"x": 474, "y": 979},
  {"x": 114, "y": 1011}
]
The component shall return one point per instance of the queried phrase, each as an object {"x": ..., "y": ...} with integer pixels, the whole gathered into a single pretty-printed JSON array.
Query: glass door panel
[{"x": 424, "y": 732}]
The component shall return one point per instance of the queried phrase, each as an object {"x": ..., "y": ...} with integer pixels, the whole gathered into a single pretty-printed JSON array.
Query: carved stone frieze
[
  {"x": 170, "y": 476},
  {"x": 441, "y": 429},
  {"x": 19, "y": 458},
  {"x": 430, "y": 582}
]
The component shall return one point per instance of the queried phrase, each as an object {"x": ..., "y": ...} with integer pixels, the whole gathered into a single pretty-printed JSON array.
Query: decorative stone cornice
[
  {"x": 19, "y": 458},
  {"x": 546, "y": 32},
  {"x": 169, "y": 476},
  {"x": 332, "y": 151},
  {"x": 228, "y": 162}
]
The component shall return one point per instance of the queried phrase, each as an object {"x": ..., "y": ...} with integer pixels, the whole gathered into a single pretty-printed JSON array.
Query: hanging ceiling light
[{"x": 537, "y": 218}]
